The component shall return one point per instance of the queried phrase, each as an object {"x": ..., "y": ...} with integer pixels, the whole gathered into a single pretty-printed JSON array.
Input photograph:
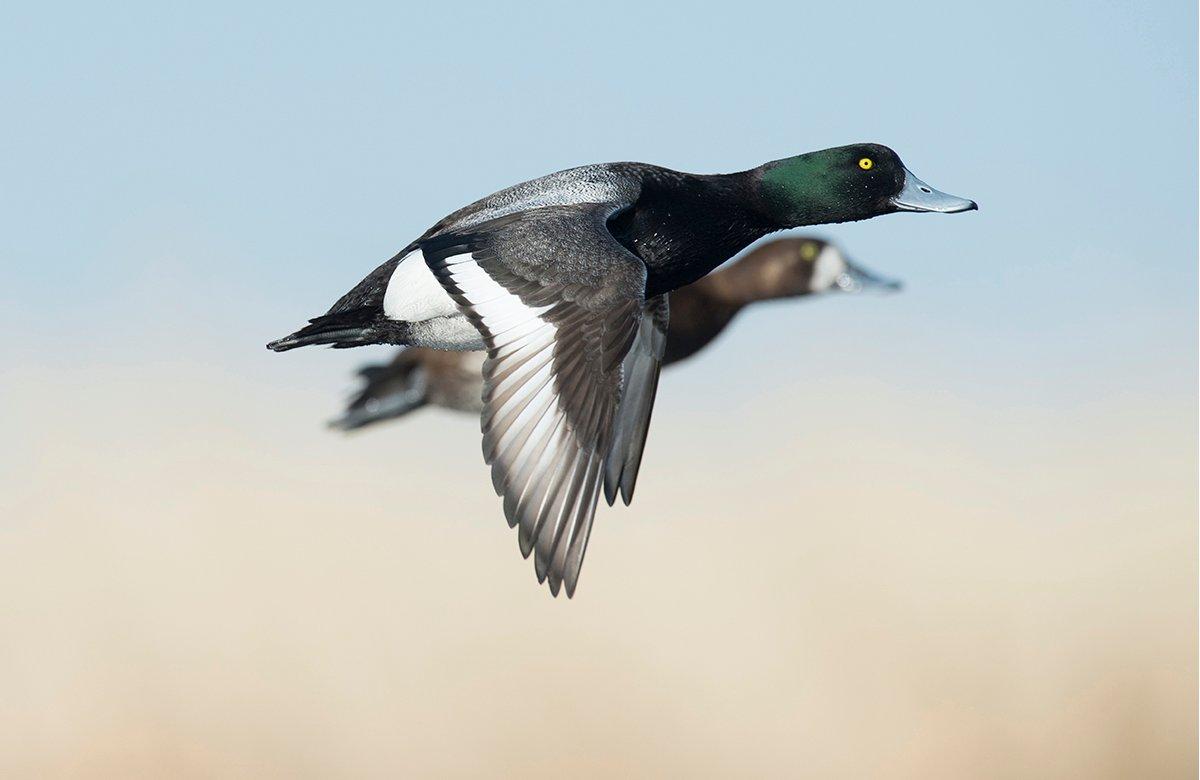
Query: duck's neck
[
  {"x": 702, "y": 310},
  {"x": 684, "y": 226},
  {"x": 699, "y": 313},
  {"x": 755, "y": 277}
]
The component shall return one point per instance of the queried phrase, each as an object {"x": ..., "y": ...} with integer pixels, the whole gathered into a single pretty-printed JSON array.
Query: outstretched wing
[
  {"x": 559, "y": 303},
  {"x": 641, "y": 369}
]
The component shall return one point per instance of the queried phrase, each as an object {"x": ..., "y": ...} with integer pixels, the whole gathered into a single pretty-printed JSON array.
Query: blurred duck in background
[{"x": 784, "y": 268}]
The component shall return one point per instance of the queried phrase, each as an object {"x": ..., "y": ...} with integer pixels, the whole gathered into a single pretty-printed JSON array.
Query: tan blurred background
[{"x": 837, "y": 579}]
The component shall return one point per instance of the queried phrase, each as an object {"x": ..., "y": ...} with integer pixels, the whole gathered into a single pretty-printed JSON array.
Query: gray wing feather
[
  {"x": 587, "y": 184},
  {"x": 559, "y": 303},
  {"x": 641, "y": 370}
]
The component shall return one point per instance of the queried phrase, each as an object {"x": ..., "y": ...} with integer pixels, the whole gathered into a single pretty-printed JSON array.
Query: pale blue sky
[{"x": 191, "y": 183}]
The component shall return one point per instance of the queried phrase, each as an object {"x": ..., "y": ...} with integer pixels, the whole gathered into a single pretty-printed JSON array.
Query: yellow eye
[
  {"x": 808, "y": 251},
  {"x": 866, "y": 163}
]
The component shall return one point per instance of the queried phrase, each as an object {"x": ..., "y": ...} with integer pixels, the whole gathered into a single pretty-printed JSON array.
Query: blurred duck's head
[{"x": 804, "y": 266}]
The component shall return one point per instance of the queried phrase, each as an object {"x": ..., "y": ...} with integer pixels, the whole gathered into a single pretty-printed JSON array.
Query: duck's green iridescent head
[{"x": 848, "y": 183}]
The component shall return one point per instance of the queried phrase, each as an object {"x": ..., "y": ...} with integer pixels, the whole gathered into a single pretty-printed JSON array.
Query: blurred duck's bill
[
  {"x": 855, "y": 279},
  {"x": 919, "y": 196}
]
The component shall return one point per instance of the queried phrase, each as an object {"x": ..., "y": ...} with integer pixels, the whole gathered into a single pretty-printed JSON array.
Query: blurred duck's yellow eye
[
  {"x": 866, "y": 163},
  {"x": 808, "y": 251}
]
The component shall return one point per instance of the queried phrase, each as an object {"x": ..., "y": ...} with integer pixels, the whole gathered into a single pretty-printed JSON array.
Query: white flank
[{"x": 414, "y": 294}]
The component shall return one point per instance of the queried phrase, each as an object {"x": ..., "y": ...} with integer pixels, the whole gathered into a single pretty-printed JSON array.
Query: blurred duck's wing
[{"x": 389, "y": 390}]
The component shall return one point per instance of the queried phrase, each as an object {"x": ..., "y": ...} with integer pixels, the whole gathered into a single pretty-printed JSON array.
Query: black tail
[{"x": 354, "y": 328}]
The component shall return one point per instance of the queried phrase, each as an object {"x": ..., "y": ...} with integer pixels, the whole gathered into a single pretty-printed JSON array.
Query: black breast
[{"x": 684, "y": 226}]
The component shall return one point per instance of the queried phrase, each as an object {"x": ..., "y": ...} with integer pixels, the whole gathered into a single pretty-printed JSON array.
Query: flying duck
[
  {"x": 784, "y": 268},
  {"x": 562, "y": 279}
]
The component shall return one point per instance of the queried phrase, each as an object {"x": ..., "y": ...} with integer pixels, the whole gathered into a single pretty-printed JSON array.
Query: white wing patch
[{"x": 414, "y": 294}]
